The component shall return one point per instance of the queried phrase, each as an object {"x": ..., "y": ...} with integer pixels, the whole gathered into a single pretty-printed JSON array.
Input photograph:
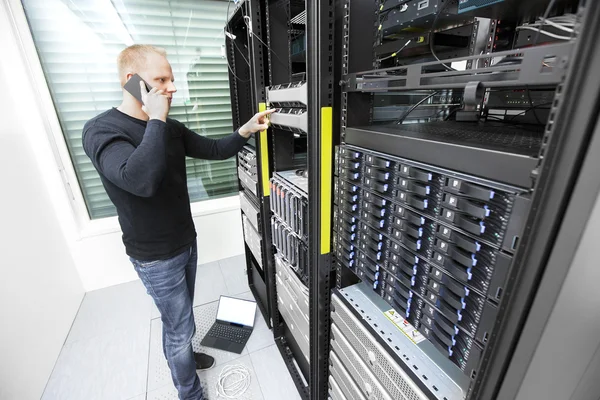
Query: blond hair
[{"x": 133, "y": 58}]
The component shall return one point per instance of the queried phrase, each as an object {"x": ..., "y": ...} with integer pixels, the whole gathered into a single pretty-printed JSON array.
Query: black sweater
[{"x": 142, "y": 167}]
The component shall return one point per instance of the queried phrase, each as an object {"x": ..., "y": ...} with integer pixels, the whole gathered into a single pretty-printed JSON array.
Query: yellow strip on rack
[
  {"x": 326, "y": 155},
  {"x": 264, "y": 156}
]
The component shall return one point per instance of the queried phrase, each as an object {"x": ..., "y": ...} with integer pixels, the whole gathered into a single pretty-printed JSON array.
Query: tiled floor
[{"x": 114, "y": 349}]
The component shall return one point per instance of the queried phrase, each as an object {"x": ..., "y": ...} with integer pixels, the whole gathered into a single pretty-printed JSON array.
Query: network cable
[
  {"x": 511, "y": 119},
  {"x": 546, "y": 33},
  {"x": 236, "y": 77},
  {"x": 387, "y": 12},
  {"x": 550, "y": 5},
  {"x": 248, "y": 25},
  {"x": 232, "y": 37},
  {"x": 564, "y": 23},
  {"x": 234, "y": 381},
  {"x": 394, "y": 54}
]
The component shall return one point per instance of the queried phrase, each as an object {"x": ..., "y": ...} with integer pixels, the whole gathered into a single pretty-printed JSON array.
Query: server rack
[
  {"x": 247, "y": 77},
  {"x": 416, "y": 203},
  {"x": 288, "y": 151},
  {"x": 300, "y": 54}
]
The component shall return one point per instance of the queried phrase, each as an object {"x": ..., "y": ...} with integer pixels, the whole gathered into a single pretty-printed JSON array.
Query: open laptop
[{"x": 234, "y": 324}]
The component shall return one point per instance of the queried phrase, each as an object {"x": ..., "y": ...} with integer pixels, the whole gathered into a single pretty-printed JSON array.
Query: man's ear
[{"x": 128, "y": 76}]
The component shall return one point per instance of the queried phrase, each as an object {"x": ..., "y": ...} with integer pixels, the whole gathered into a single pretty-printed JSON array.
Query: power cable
[
  {"x": 531, "y": 104},
  {"x": 247, "y": 22},
  {"x": 423, "y": 100},
  {"x": 432, "y": 36},
  {"x": 529, "y": 109},
  {"x": 511, "y": 119},
  {"x": 387, "y": 12},
  {"x": 236, "y": 77}
]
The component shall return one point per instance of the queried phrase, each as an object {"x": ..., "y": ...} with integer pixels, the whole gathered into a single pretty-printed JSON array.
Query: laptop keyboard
[{"x": 231, "y": 333}]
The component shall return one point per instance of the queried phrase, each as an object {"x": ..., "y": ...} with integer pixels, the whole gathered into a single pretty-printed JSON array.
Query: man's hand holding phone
[{"x": 155, "y": 103}]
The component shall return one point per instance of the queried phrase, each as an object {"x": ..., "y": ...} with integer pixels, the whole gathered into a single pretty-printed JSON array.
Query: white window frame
[{"x": 86, "y": 226}]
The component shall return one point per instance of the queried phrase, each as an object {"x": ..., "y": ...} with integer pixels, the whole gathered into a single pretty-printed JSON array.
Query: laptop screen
[{"x": 237, "y": 311}]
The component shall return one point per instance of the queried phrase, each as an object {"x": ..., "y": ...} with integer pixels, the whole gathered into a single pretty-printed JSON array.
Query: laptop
[{"x": 234, "y": 325}]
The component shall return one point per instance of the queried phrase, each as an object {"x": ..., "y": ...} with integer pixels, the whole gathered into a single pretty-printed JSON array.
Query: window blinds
[{"x": 78, "y": 42}]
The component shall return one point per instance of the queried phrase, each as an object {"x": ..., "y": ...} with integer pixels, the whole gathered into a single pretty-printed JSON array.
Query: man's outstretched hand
[{"x": 259, "y": 122}]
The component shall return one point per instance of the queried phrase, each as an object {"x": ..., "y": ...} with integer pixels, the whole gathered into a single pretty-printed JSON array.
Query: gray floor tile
[
  {"x": 209, "y": 380},
  {"x": 167, "y": 392},
  {"x": 140, "y": 397},
  {"x": 154, "y": 311},
  {"x": 159, "y": 373},
  {"x": 212, "y": 376},
  {"x": 246, "y": 296},
  {"x": 210, "y": 284},
  {"x": 262, "y": 336},
  {"x": 111, "y": 309},
  {"x": 234, "y": 272},
  {"x": 114, "y": 350},
  {"x": 109, "y": 366},
  {"x": 273, "y": 375}
]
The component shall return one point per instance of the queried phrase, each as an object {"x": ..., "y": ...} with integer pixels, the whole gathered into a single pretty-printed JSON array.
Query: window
[{"x": 78, "y": 42}]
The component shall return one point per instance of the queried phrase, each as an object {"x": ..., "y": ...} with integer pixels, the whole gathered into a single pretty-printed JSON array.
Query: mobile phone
[{"x": 133, "y": 87}]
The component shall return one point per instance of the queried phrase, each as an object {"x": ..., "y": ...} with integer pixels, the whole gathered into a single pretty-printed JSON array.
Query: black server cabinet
[
  {"x": 280, "y": 55},
  {"x": 247, "y": 77},
  {"x": 443, "y": 220},
  {"x": 299, "y": 49}
]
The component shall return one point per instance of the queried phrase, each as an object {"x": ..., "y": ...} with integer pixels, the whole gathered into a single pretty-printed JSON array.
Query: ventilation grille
[
  {"x": 509, "y": 137},
  {"x": 334, "y": 390},
  {"x": 387, "y": 371},
  {"x": 364, "y": 378},
  {"x": 343, "y": 379},
  {"x": 299, "y": 19}
]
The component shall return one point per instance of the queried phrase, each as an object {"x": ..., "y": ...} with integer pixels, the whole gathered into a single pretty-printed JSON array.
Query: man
[{"x": 140, "y": 156}]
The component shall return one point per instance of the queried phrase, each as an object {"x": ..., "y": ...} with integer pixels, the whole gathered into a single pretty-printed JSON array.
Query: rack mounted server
[
  {"x": 435, "y": 244},
  {"x": 249, "y": 202},
  {"x": 289, "y": 223},
  {"x": 290, "y": 100},
  {"x": 292, "y": 300}
]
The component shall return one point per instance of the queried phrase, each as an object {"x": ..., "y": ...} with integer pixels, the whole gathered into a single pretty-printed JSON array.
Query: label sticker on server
[{"x": 405, "y": 327}]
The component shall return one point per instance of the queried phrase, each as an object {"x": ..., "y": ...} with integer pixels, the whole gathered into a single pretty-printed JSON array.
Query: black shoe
[{"x": 203, "y": 361}]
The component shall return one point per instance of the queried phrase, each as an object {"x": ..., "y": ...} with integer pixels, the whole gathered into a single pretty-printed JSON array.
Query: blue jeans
[{"x": 171, "y": 285}]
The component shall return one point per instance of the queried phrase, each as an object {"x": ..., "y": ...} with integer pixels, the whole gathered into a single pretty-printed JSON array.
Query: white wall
[
  {"x": 47, "y": 259},
  {"x": 40, "y": 289},
  {"x": 101, "y": 259},
  {"x": 96, "y": 247}
]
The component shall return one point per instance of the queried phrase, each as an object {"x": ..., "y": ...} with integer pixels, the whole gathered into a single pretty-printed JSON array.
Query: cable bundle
[
  {"x": 564, "y": 23},
  {"x": 234, "y": 381}
]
